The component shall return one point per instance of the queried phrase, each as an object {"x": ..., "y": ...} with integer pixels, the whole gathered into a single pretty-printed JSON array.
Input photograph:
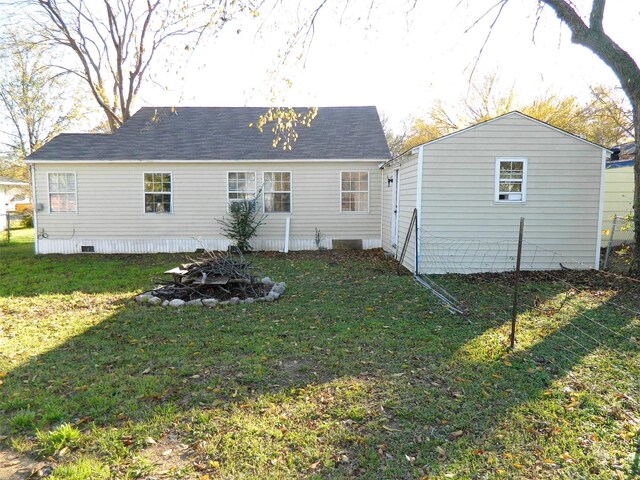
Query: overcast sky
[{"x": 400, "y": 61}]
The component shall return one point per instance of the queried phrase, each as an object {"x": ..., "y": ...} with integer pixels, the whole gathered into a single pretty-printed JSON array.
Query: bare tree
[
  {"x": 115, "y": 42},
  {"x": 36, "y": 103}
]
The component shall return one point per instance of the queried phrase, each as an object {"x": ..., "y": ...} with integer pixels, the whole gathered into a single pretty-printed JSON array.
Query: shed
[
  {"x": 159, "y": 182},
  {"x": 469, "y": 190}
]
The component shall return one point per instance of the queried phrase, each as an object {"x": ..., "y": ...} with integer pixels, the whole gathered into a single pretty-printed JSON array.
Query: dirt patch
[
  {"x": 168, "y": 458},
  {"x": 19, "y": 467}
]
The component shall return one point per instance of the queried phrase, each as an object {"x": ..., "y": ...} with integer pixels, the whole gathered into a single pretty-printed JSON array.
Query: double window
[
  {"x": 157, "y": 193},
  {"x": 354, "y": 191},
  {"x": 277, "y": 192},
  {"x": 62, "y": 192},
  {"x": 511, "y": 180}
]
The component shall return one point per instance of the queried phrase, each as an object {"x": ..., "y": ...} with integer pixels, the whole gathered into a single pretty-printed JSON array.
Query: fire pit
[{"x": 217, "y": 278}]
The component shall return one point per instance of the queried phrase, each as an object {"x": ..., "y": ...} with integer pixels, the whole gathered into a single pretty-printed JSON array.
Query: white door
[{"x": 395, "y": 207}]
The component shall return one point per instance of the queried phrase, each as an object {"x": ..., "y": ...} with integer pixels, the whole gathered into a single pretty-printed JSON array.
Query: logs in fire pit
[{"x": 219, "y": 278}]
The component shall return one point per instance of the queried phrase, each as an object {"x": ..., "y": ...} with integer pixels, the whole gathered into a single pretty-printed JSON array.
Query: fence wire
[{"x": 591, "y": 318}]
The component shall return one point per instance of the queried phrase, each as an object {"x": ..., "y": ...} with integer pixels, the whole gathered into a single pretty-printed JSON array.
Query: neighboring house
[
  {"x": 159, "y": 183},
  {"x": 472, "y": 187},
  {"x": 618, "y": 199},
  {"x": 9, "y": 187}
]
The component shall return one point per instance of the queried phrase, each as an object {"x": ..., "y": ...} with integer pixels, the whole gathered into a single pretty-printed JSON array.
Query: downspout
[
  {"x": 600, "y": 210},
  {"x": 34, "y": 206},
  {"x": 419, "y": 181}
]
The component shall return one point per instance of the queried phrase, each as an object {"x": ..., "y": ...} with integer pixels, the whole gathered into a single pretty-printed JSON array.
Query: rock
[
  {"x": 197, "y": 302},
  {"x": 209, "y": 302},
  {"x": 269, "y": 298},
  {"x": 176, "y": 302},
  {"x": 154, "y": 300},
  {"x": 275, "y": 295},
  {"x": 260, "y": 299},
  {"x": 267, "y": 281},
  {"x": 226, "y": 302},
  {"x": 165, "y": 303},
  {"x": 278, "y": 288},
  {"x": 234, "y": 301},
  {"x": 249, "y": 300},
  {"x": 143, "y": 298}
]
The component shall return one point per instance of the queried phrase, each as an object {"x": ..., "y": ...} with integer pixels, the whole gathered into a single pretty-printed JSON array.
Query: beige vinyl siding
[
  {"x": 387, "y": 210},
  {"x": 618, "y": 197},
  {"x": 408, "y": 168},
  {"x": 111, "y": 203},
  {"x": 561, "y": 209}
]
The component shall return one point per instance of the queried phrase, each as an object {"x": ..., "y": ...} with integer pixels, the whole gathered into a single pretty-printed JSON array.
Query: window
[
  {"x": 354, "y": 192},
  {"x": 62, "y": 192},
  {"x": 277, "y": 192},
  {"x": 241, "y": 186},
  {"x": 511, "y": 180},
  {"x": 157, "y": 193}
]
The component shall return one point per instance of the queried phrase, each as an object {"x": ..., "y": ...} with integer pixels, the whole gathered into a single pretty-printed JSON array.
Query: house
[
  {"x": 9, "y": 187},
  {"x": 618, "y": 197},
  {"x": 159, "y": 183},
  {"x": 471, "y": 188}
]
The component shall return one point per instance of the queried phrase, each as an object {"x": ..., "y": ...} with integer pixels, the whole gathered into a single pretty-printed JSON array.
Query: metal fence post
[
  {"x": 8, "y": 215},
  {"x": 514, "y": 312},
  {"x": 610, "y": 243}
]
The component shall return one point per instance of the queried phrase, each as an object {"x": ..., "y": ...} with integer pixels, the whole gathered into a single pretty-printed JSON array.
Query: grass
[{"x": 354, "y": 372}]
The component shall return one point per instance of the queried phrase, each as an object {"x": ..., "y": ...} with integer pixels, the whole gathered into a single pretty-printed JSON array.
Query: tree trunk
[{"x": 635, "y": 263}]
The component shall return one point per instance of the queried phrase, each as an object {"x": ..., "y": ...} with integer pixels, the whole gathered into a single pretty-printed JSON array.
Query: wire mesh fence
[{"x": 567, "y": 315}]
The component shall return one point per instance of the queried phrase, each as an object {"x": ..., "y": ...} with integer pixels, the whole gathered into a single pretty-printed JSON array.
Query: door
[{"x": 395, "y": 201}]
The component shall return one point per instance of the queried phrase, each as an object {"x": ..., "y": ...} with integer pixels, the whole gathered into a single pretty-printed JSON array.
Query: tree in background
[
  {"x": 116, "y": 42},
  {"x": 603, "y": 119},
  {"x": 36, "y": 103}
]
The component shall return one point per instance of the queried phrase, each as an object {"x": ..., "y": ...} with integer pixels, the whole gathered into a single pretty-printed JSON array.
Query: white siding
[
  {"x": 408, "y": 167},
  {"x": 618, "y": 197},
  {"x": 111, "y": 207},
  {"x": 561, "y": 211}
]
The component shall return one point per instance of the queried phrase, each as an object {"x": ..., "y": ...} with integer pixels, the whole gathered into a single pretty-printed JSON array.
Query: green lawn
[{"x": 354, "y": 372}]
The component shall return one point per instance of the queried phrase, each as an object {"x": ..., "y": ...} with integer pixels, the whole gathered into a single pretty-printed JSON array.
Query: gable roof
[
  {"x": 508, "y": 114},
  {"x": 222, "y": 133}
]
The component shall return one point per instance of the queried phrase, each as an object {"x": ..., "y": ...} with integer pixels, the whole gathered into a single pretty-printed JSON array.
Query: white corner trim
[
  {"x": 600, "y": 211},
  {"x": 34, "y": 205},
  {"x": 419, "y": 181}
]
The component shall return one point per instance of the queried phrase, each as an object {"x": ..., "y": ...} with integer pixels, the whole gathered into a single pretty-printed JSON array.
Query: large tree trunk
[
  {"x": 635, "y": 264},
  {"x": 625, "y": 68}
]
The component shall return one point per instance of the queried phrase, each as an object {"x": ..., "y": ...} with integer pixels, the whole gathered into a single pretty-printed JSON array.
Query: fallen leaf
[
  {"x": 442, "y": 454},
  {"x": 456, "y": 434},
  {"x": 145, "y": 371}
]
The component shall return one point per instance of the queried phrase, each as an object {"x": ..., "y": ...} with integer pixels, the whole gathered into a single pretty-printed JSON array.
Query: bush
[
  {"x": 27, "y": 220},
  {"x": 242, "y": 223}
]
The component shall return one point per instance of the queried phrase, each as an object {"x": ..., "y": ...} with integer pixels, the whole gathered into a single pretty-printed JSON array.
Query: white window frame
[
  {"x": 75, "y": 191},
  {"x": 357, "y": 212},
  {"x": 255, "y": 182},
  {"x": 496, "y": 189},
  {"x": 144, "y": 193},
  {"x": 265, "y": 193}
]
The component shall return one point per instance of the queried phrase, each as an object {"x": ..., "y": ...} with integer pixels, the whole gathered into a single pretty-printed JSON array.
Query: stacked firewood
[{"x": 218, "y": 275}]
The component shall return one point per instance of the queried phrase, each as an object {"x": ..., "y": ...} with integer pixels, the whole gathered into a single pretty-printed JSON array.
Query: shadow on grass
[{"x": 355, "y": 372}]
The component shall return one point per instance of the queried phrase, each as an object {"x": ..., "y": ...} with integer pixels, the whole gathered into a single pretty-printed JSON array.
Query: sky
[
  {"x": 384, "y": 53},
  {"x": 400, "y": 61}
]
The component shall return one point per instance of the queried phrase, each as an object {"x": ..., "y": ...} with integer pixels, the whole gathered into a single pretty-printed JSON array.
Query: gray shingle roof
[{"x": 222, "y": 133}]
